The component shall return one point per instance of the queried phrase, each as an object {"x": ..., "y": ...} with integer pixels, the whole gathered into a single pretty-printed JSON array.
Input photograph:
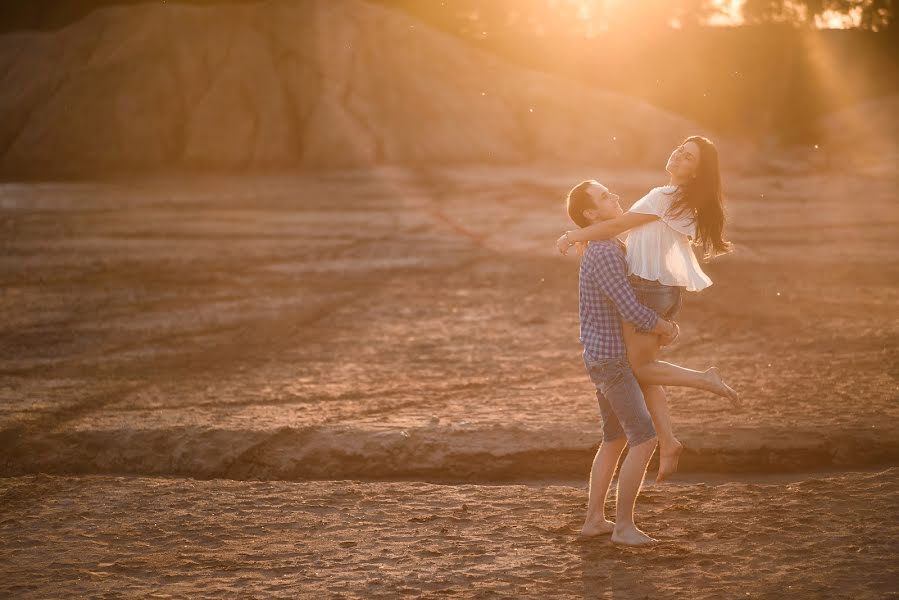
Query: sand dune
[{"x": 318, "y": 84}]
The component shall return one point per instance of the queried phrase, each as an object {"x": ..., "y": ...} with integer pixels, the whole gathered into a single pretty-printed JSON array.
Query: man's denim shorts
[
  {"x": 665, "y": 300},
  {"x": 621, "y": 403}
]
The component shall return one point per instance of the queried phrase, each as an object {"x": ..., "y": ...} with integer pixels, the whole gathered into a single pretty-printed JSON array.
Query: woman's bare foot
[
  {"x": 718, "y": 386},
  {"x": 631, "y": 536},
  {"x": 668, "y": 458},
  {"x": 595, "y": 527}
]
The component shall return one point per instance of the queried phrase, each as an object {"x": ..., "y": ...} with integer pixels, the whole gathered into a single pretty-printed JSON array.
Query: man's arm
[{"x": 612, "y": 279}]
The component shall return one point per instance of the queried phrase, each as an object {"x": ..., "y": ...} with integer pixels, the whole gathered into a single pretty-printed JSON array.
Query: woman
[{"x": 663, "y": 223}]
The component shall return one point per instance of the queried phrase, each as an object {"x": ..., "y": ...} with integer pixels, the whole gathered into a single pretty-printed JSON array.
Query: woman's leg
[
  {"x": 657, "y": 372},
  {"x": 642, "y": 348}
]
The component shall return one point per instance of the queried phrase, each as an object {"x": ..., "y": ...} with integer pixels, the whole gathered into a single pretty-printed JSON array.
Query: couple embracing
[{"x": 629, "y": 297}]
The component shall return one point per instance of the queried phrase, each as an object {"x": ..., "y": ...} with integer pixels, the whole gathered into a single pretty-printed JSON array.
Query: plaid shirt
[{"x": 606, "y": 298}]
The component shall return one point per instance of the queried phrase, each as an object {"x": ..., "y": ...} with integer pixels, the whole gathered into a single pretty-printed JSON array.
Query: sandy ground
[
  {"x": 101, "y": 536},
  {"x": 400, "y": 325}
]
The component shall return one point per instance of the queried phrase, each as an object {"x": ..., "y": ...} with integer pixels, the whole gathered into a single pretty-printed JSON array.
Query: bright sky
[
  {"x": 730, "y": 10},
  {"x": 729, "y": 13}
]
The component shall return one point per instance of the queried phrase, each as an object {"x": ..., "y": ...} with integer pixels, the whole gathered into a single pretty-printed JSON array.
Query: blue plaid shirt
[{"x": 606, "y": 298}]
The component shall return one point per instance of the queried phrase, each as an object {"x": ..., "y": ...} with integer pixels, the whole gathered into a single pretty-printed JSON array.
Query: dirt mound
[{"x": 320, "y": 84}]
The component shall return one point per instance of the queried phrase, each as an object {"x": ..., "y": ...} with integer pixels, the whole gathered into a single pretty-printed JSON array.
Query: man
[{"x": 606, "y": 298}]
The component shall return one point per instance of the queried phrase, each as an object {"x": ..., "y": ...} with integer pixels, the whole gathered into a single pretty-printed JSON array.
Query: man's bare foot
[
  {"x": 722, "y": 389},
  {"x": 595, "y": 527},
  {"x": 668, "y": 458},
  {"x": 631, "y": 536}
]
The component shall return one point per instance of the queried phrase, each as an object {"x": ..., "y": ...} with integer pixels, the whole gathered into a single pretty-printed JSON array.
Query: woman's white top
[{"x": 660, "y": 250}]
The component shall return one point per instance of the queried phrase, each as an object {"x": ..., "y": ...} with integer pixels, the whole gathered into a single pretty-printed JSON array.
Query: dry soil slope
[
  {"x": 320, "y": 84},
  {"x": 865, "y": 134}
]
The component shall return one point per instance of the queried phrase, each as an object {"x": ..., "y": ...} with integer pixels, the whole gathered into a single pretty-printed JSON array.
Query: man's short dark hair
[{"x": 579, "y": 200}]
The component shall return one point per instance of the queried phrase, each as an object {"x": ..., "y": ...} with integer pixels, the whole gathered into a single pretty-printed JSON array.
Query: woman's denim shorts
[{"x": 665, "y": 300}]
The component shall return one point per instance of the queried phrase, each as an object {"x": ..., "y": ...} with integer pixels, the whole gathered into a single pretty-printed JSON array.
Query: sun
[
  {"x": 831, "y": 19},
  {"x": 725, "y": 13}
]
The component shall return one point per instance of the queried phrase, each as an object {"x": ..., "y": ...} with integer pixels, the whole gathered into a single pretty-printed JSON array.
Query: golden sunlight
[
  {"x": 420, "y": 298},
  {"x": 831, "y": 19},
  {"x": 723, "y": 13},
  {"x": 727, "y": 13}
]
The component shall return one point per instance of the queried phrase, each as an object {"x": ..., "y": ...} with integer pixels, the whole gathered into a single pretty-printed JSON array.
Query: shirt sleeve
[
  {"x": 658, "y": 202},
  {"x": 650, "y": 204},
  {"x": 611, "y": 276}
]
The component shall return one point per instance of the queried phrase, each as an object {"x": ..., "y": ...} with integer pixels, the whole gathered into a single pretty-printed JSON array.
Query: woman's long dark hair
[{"x": 702, "y": 200}]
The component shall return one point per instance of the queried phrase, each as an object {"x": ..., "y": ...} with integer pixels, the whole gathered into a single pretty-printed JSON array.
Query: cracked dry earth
[
  {"x": 103, "y": 536},
  {"x": 367, "y": 384}
]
